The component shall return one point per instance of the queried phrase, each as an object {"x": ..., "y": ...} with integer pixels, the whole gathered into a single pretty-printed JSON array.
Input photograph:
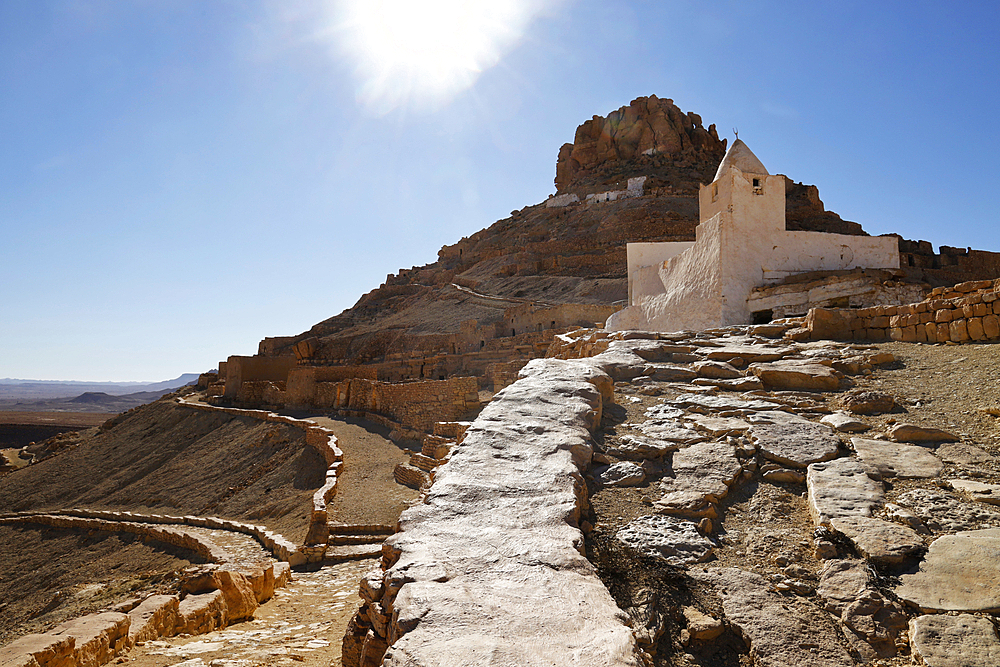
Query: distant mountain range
[{"x": 12, "y": 389}]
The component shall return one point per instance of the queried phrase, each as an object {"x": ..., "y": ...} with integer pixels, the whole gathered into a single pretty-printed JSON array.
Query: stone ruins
[{"x": 752, "y": 463}]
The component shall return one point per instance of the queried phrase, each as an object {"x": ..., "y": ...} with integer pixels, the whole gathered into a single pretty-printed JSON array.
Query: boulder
[
  {"x": 844, "y": 423},
  {"x": 797, "y": 376},
  {"x": 156, "y": 616},
  {"x": 624, "y": 473},
  {"x": 699, "y": 477},
  {"x": 867, "y": 402},
  {"x": 718, "y": 370},
  {"x": 913, "y": 433}
]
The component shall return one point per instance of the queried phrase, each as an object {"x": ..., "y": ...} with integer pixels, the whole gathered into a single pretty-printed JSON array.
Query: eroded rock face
[{"x": 647, "y": 128}]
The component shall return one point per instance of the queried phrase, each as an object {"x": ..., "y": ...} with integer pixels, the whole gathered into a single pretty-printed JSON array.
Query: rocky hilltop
[{"x": 569, "y": 250}]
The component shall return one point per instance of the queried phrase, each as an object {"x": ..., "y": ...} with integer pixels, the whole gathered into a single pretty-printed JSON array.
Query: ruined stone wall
[
  {"x": 417, "y": 405},
  {"x": 951, "y": 266},
  {"x": 240, "y": 369},
  {"x": 967, "y": 312}
]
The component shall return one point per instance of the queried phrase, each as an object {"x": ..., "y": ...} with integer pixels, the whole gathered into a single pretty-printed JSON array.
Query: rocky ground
[{"x": 735, "y": 527}]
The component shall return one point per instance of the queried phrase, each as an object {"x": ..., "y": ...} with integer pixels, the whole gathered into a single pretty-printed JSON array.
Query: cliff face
[{"x": 649, "y": 137}]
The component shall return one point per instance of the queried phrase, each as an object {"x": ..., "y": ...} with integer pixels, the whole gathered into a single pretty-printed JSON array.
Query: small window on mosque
[{"x": 756, "y": 182}]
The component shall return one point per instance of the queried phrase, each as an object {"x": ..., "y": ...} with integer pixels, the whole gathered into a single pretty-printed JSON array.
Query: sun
[{"x": 425, "y": 52}]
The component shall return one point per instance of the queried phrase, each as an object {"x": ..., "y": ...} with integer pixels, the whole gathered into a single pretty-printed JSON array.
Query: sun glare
[{"x": 423, "y": 53}]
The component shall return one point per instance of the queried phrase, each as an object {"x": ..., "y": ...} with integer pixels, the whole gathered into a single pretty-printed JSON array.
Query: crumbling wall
[{"x": 240, "y": 369}]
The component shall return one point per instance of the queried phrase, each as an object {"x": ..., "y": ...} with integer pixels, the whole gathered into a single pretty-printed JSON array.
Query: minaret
[{"x": 744, "y": 194}]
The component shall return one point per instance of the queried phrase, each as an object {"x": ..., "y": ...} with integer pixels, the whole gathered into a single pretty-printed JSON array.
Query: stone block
[
  {"x": 880, "y": 322},
  {"x": 991, "y": 327},
  {"x": 968, "y": 310},
  {"x": 896, "y": 333},
  {"x": 910, "y": 334},
  {"x": 156, "y": 616},
  {"x": 975, "y": 328},
  {"x": 958, "y": 330},
  {"x": 980, "y": 309},
  {"x": 943, "y": 315},
  {"x": 921, "y": 333},
  {"x": 943, "y": 332},
  {"x": 930, "y": 330}
]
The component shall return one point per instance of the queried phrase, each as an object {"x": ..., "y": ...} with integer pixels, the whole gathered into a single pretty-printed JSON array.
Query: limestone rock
[
  {"x": 671, "y": 431},
  {"x": 964, "y": 455},
  {"x": 954, "y": 641},
  {"x": 97, "y": 637},
  {"x": 746, "y": 383},
  {"x": 893, "y": 460},
  {"x": 629, "y": 447},
  {"x": 942, "y": 512},
  {"x": 912, "y": 433},
  {"x": 619, "y": 364},
  {"x": 624, "y": 473},
  {"x": 867, "y": 402},
  {"x": 795, "y": 444},
  {"x": 493, "y": 554},
  {"x": 718, "y": 370},
  {"x": 877, "y": 540},
  {"x": 844, "y": 423},
  {"x": 651, "y": 350},
  {"x": 797, "y": 376},
  {"x": 749, "y": 353},
  {"x": 783, "y": 475},
  {"x": 154, "y": 617},
  {"x": 717, "y": 426},
  {"x": 841, "y": 488},
  {"x": 781, "y": 631},
  {"x": 961, "y": 572},
  {"x": 841, "y": 582},
  {"x": 702, "y": 474},
  {"x": 876, "y": 620},
  {"x": 37, "y": 650},
  {"x": 669, "y": 373},
  {"x": 721, "y": 404},
  {"x": 984, "y": 493},
  {"x": 198, "y": 614},
  {"x": 701, "y": 627},
  {"x": 676, "y": 541}
]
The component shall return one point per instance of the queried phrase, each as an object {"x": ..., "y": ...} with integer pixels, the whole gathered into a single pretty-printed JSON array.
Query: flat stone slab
[
  {"x": 944, "y": 513},
  {"x": 895, "y": 460},
  {"x": 623, "y": 473},
  {"x": 961, "y": 572},
  {"x": 913, "y": 433},
  {"x": 651, "y": 350},
  {"x": 880, "y": 541},
  {"x": 844, "y": 422},
  {"x": 701, "y": 476},
  {"x": 748, "y": 353},
  {"x": 630, "y": 447},
  {"x": 671, "y": 431},
  {"x": 964, "y": 455},
  {"x": 669, "y": 373},
  {"x": 716, "y": 426},
  {"x": 984, "y": 493},
  {"x": 663, "y": 412},
  {"x": 797, "y": 443},
  {"x": 750, "y": 383},
  {"x": 797, "y": 376},
  {"x": 674, "y": 540},
  {"x": 718, "y": 370},
  {"x": 781, "y": 631},
  {"x": 954, "y": 641},
  {"x": 841, "y": 488},
  {"x": 696, "y": 402}
]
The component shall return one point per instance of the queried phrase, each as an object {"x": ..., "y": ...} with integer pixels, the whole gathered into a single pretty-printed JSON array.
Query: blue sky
[{"x": 181, "y": 178}]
